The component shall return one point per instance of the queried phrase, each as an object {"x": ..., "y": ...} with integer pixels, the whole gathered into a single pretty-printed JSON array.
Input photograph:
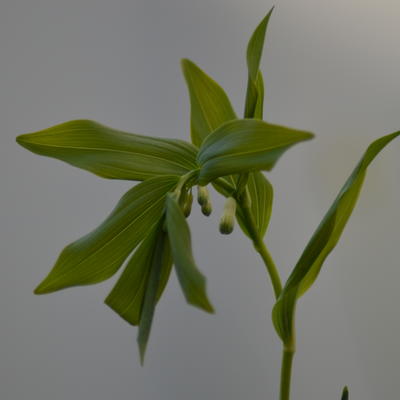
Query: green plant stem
[
  {"x": 286, "y": 372},
  {"x": 260, "y": 245},
  {"x": 261, "y": 248}
]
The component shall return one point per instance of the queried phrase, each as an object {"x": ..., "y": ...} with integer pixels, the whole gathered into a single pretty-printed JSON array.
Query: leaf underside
[{"x": 99, "y": 254}]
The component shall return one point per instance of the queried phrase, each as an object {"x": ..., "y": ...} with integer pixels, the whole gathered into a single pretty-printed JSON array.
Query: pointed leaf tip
[
  {"x": 345, "y": 394},
  {"x": 98, "y": 255},
  {"x": 209, "y": 104},
  {"x": 256, "y": 44},
  {"x": 111, "y": 153},
  {"x": 245, "y": 145},
  {"x": 192, "y": 281},
  {"x": 323, "y": 241},
  {"x": 157, "y": 252}
]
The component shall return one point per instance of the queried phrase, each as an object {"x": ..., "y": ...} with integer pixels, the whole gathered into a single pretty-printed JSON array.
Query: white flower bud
[
  {"x": 203, "y": 196},
  {"x": 206, "y": 209},
  {"x": 227, "y": 221}
]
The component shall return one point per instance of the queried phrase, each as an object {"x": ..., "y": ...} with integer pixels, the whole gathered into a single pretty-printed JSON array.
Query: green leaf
[
  {"x": 255, "y": 86},
  {"x": 245, "y": 145},
  {"x": 323, "y": 242},
  {"x": 193, "y": 283},
  {"x": 209, "y": 104},
  {"x": 126, "y": 298},
  {"x": 259, "y": 107},
  {"x": 345, "y": 394},
  {"x": 98, "y": 255},
  {"x": 110, "y": 153},
  {"x": 261, "y": 195},
  {"x": 210, "y": 108},
  {"x": 157, "y": 257}
]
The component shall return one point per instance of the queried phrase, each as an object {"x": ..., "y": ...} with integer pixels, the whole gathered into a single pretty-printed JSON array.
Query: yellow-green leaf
[
  {"x": 209, "y": 104},
  {"x": 192, "y": 281},
  {"x": 110, "y": 153},
  {"x": 245, "y": 145},
  {"x": 98, "y": 255},
  {"x": 323, "y": 242}
]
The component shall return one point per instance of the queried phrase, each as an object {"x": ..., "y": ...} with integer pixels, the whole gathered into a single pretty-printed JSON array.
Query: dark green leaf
[
  {"x": 126, "y": 298},
  {"x": 255, "y": 85},
  {"x": 209, "y": 104},
  {"x": 98, "y": 255},
  {"x": 345, "y": 394},
  {"x": 193, "y": 283},
  {"x": 110, "y": 153},
  {"x": 323, "y": 242},
  {"x": 157, "y": 257},
  {"x": 245, "y": 145}
]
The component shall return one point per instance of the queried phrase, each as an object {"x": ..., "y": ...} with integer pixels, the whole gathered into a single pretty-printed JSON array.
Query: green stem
[
  {"x": 286, "y": 372},
  {"x": 288, "y": 351},
  {"x": 259, "y": 244}
]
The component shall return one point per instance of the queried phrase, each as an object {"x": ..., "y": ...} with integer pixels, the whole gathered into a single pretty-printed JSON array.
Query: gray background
[{"x": 331, "y": 67}]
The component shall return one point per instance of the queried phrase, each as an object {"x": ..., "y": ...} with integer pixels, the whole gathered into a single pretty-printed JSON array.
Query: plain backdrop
[{"x": 331, "y": 67}]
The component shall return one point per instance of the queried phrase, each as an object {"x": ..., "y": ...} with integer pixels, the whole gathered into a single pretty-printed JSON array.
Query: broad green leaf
[
  {"x": 255, "y": 85},
  {"x": 261, "y": 195},
  {"x": 156, "y": 264},
  {"x": 110, "y": 153},
  {"x": 126, "y": 298},
  {"x": 245, "y": 145},
  {"x": 323, "y": 242},
  {"x": 193, "y": 283},
  {"x": 345, "y": 394},
  {"x": 210, "y": 108},
  {"x": 209, "y": 104},
  {"x": 98, "y": 255}
]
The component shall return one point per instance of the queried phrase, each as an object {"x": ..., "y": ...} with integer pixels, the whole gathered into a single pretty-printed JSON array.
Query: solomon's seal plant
[{"x": 148, "y": 230}]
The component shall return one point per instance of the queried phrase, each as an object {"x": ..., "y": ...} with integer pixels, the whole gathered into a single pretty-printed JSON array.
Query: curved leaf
[
  {"x": 98, "y": 255},
  {"x": 193, "y": 283},
  {"x": 110, "y": 153},
  {"x": 126, "y": 298},
  {"x": 255, "y": 85},
  {"x": 245, "y": 145},
  {"x": 209, "y": 104},
  {"x": 323, "y": 242}
]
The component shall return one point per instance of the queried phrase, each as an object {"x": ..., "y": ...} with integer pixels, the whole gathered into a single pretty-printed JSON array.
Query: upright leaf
[
  {"x": 110, "y": 153},
  {"x": 255, "y": 85},
  {"x": 245, "y": 145},
  {"x": 323, "y": 241},
  {"x": 126, "y": 298},
  {"x": 98, "y": 255},
  {"x": 193, "y": 283},
  {"x": 157, "y": 257},
  {"x": 209, "y": 104}
]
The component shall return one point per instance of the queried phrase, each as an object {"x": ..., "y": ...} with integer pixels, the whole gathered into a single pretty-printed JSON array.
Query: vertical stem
[{"x": 286, "y": 372}]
